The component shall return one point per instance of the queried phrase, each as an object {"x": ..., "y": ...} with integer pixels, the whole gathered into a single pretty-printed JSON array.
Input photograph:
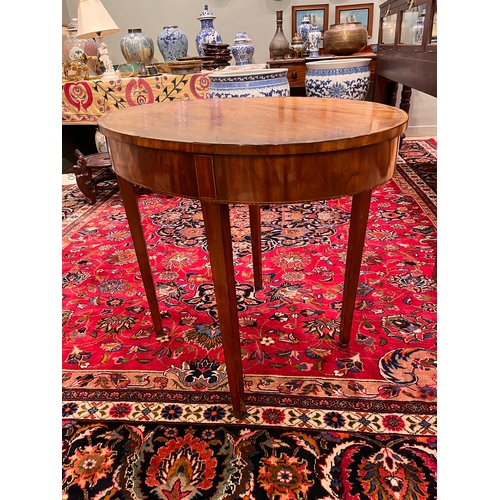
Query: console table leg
[
  {"x": 357, "y": 231},
  {"x": 127, "y": 192},
  {"x": 218, "y": 232},
  {"x": 256, "y": 245}
]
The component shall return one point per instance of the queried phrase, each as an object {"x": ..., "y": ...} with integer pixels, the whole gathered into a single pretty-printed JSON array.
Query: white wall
[{"x": 256, "y": 17}]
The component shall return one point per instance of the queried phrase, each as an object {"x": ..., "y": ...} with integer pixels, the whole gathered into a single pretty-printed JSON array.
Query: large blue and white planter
[
  {"x": 340, "y": 79},
  {"x": 271, "y": 82},
  {"x": 207, "y": 34},
  {"x": 137, "y": 47},
  {"x": 173, "y": 43}
]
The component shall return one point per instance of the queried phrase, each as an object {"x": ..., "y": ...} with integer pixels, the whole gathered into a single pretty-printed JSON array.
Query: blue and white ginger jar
[
  {"x": 340, "y": 79},
  {"x": 242, "y": 49},
  {"x": 208, "y": 33},
  {"x": 303, "y": 31},
  {"x": 173, "y": 43},
  {"x": 137, "y": 47}
]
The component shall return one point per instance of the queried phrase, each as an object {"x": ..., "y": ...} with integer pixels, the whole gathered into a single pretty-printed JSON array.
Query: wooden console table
[{"x": 253, "y": 151}]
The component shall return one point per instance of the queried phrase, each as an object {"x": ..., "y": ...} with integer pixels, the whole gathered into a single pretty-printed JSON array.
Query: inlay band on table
[{"x": 253, "y": 151}]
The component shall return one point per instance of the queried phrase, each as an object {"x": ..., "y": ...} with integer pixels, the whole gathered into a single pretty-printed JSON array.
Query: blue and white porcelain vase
[
  {"x": 314, "y": 40},
  {"x": 242, "y": 49},
  {"x": 303, "y": 31},
  {"x": 137, "y": 47},
  {"x": 418, "y": 29},
  {"x": 173, "y": 43},
  {"x": 207, "y": 34}
]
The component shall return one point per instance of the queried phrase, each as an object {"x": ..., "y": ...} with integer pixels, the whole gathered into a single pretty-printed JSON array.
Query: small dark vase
[{"x": 279, "y": 46}]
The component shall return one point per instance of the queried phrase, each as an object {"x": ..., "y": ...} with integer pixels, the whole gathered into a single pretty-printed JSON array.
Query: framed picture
[
  {"x": 359, "y": 13},
  {"x": 318, "y": 15}
]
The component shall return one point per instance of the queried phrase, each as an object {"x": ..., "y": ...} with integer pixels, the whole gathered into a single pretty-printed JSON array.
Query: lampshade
[{"x": 94, "y": 20}]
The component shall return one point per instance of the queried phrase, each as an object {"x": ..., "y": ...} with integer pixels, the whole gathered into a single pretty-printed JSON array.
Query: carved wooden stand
[{"x": 83, "y": 170}]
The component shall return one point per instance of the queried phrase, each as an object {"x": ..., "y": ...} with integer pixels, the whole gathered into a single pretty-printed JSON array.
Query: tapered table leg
[
  {"x": 218, "y": 232},
  {"x": 357, "y": 231},
  {"x": 256, "y": 245},
  {"x": 127, "y": 192}
]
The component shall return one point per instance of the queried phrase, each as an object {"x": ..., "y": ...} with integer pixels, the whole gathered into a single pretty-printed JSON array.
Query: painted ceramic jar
[
  {"x": 270, "y": 82},
  {"x": 74, "y": 48},
  {"x": 314, "y": 38},
  {"x": 242, "y": 49},
  {"x": 173, "y": 43},
  {"x": 341, "y": 78},
  {"x": 303, "y": 30},
  {"x": 207, "y": 34},
  {"x": 137, "y": 47}
]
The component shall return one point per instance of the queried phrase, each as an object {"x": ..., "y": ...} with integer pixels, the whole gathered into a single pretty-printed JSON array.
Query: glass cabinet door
[
  {"x": 389, "y": 28},
  {"x": 411, "y": 24}
]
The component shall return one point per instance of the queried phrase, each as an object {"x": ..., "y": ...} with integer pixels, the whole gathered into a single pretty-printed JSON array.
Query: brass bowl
[{"x": 345, "y": 39}]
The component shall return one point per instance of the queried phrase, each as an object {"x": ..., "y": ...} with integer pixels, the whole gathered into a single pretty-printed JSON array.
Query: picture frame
[
  {"x": 362, "y": 12},
  {"x": 318, "y": 12}
]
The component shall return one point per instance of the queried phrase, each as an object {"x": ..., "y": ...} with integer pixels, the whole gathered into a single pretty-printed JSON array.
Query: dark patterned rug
[{"x": 150, "y": 418}]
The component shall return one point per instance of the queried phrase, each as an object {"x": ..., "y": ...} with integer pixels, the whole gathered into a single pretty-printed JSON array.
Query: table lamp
[{"x": 95, "y": 22}]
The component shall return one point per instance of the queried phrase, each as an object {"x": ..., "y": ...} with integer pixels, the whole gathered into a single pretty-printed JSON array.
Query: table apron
[{"x": 254, "y": 179}]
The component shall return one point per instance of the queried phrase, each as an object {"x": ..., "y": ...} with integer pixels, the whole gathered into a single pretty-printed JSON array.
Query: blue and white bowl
[
  {"x": 338, "y": 78},
  {"x": 266, "y": 82}
]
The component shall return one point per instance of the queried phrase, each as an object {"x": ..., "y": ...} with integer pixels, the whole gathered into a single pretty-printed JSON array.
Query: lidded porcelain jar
[
  {"x": 338, "y": 78},
  {"x": 74, "y": 48},
  {"x": 173, "y": 43},
  {"x": 137, "y": 47},
  {"x": 303, "y": 30},
  {"x": 242, "y": 49},
  {"x": 207, "y": 34}
]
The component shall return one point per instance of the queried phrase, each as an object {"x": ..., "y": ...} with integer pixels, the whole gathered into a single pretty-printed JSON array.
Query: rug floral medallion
[{"x": 149, "y": 417}]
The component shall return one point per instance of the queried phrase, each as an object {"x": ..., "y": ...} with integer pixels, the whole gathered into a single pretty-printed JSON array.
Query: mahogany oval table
[{"x": 253, "y": 151}]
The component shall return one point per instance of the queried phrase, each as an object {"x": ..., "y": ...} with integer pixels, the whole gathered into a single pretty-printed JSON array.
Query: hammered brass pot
[{"x": 345, "y": 39}]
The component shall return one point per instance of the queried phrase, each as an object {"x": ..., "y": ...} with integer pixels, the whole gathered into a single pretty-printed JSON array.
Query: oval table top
[{"x": 255, "y": 125}]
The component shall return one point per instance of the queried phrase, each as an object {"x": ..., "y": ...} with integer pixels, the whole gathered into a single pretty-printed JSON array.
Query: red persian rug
[{"x": 150, "y": 418}]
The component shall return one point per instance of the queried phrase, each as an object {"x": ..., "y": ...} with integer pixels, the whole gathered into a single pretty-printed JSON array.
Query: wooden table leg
[
  {"x": 357, "y": 231},
  {"x": 218, "y": 232},
  {"x": 127, "y": 192},
  {"x": 256, "y": 245}
]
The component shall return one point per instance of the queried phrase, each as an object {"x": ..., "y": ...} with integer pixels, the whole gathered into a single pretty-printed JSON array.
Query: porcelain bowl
[
  {"x": 338, "y": 78},
  {"x": 266, "y": 82}
]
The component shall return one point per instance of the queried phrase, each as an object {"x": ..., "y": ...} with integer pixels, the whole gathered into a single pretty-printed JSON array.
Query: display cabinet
[{"x": 407, "y": 50}]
